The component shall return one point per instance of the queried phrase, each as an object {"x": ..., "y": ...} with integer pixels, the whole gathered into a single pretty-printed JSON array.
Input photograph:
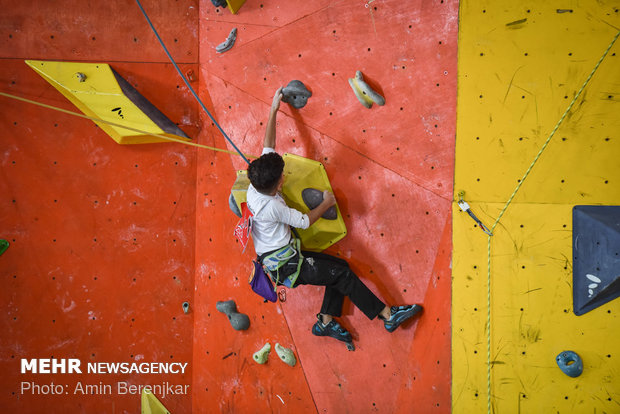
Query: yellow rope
[
  {"x": 180, "y": 140},
  {"x": 521, "y": 181}
]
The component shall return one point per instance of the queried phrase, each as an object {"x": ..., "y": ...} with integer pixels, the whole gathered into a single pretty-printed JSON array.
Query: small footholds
[
  {"x": 296, "y": 94},
  {"x": 80, "y": 76},
  {"x": 516, "y": 22},
  {"x": 228, "y": 43},
  {"x": 185, "y": 307},
  {"x": 364, "y": 93}
]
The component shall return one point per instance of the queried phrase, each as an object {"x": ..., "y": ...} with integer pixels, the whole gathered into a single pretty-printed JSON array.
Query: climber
[{"x": 274, "y": 241}]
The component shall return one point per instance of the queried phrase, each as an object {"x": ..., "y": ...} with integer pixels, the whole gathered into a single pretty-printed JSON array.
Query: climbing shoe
[
  {"x": 332, "y": 329},
  {"x": 399, "y": 315}
]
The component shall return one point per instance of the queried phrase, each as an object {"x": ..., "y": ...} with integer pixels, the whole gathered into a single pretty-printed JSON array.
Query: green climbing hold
[
  {"x": 262, "y": 354},
  {"x": 4, "y": 244},
  {"x": 286, "y": 355}
]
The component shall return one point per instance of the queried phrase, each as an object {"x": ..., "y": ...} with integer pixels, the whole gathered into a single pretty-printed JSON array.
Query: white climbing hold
[
  {"x": 262, "y": 354},
  {"x": 228, "y": 43},
  {"x": 286, "y": 355},
  {"x": 364, "y": 93},
  {"x": 593, "y": 278}
]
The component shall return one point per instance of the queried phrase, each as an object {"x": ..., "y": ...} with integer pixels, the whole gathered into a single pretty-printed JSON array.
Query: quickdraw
[{"x": 465, "y": 207}]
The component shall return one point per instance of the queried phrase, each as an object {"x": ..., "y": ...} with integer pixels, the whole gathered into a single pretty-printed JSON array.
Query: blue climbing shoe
[
  {"x": 399, "y": 315},
  {"x": 332, "y": 329}
]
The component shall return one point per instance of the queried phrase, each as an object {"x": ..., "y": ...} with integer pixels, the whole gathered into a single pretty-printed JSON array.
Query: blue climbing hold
[{"x": 570, "y": 363}]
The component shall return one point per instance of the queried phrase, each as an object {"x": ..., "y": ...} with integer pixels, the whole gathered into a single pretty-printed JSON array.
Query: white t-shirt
[{"x": 272, "y": 219}]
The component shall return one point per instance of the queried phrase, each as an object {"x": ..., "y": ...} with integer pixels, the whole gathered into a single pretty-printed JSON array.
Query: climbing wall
[
  {"x": 108, "y": 241},
  {"x": 520, "y": 67},
  {"x": 391, "y": 169},
  {"x": 102, "y": 235}
]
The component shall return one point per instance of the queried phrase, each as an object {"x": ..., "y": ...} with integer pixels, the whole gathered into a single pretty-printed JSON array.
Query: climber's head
[{"x": 265, "y": 173}]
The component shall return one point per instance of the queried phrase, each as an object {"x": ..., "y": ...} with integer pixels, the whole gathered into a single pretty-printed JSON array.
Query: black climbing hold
[
  {"x": 219, "y": 3},
  {"x": 239, "y": 321},
  {"x": 596, "y": 244},
  {"x": 296, "y": 94},
  {"x": 313, "y": 197},
  {"x": 232, "y": 204},
  {"x": 147, "y": 107},
  {"x": 226, "y": 307}
]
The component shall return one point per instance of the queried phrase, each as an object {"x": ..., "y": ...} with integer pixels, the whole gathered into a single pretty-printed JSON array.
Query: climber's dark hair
[{"x": 265, "y": 172}]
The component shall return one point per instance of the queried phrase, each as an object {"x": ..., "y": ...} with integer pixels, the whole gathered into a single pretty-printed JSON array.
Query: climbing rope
[
  {"x": 180, "y": 140},
  {"x": 188, "y": 85},
  {"x": 501, "y": 214}
]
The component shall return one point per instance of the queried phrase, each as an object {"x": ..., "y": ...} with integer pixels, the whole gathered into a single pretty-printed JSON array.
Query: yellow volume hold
[
  {"x": 100, "y": 92},
  {"x": 299, "y": 174},
  {"x": 150, "y": 404}
]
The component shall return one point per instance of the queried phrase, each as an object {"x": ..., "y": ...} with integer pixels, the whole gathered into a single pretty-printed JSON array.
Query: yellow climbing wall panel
[{"x": 520, "y": 66}]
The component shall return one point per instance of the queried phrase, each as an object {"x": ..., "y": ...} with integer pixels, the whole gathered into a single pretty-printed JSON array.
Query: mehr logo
[{"x": 51, "y": 366}]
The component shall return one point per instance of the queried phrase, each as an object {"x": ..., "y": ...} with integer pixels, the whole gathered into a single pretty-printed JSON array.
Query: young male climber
[{"x": 278, "y": 249}]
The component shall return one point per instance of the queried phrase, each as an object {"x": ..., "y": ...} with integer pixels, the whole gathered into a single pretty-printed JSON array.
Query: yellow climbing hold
[
  {"x": 234, "y": 5},
  {"x": 100, "y": 92},
  {"x": 151, "y": 405},
  {"x": 301, "y": 173},
  {"x": 364, "y": 93}
]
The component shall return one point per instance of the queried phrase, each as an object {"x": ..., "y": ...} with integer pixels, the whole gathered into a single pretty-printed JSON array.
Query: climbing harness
[
  {"x": 202, "y": 105},
  {"x": 274, "y": 261},
  {"x": 465, "y": 207},
  {"x": 521, "y": 181}
]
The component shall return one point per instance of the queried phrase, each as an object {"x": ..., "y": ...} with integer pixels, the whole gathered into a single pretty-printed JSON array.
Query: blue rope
[{"x": 188, "y": 85}]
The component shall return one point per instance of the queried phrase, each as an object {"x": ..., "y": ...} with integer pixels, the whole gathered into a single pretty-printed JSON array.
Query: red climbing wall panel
[
  {"x": 108, "y": 241},
  {"x": 102, "y": 235},
  {"x": 391, "y": 169}
]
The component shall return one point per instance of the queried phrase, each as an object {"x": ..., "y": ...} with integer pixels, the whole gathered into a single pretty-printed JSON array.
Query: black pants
[{"x": 321, "y": 269}]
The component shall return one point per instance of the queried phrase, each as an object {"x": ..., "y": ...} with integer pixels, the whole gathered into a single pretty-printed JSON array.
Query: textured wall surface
[
  {"x": 391, "y": 169},
  {"x": 108, "y": 241},
  {"x": 102, "y": 235},
  {"x": 520, "y": 67}
]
